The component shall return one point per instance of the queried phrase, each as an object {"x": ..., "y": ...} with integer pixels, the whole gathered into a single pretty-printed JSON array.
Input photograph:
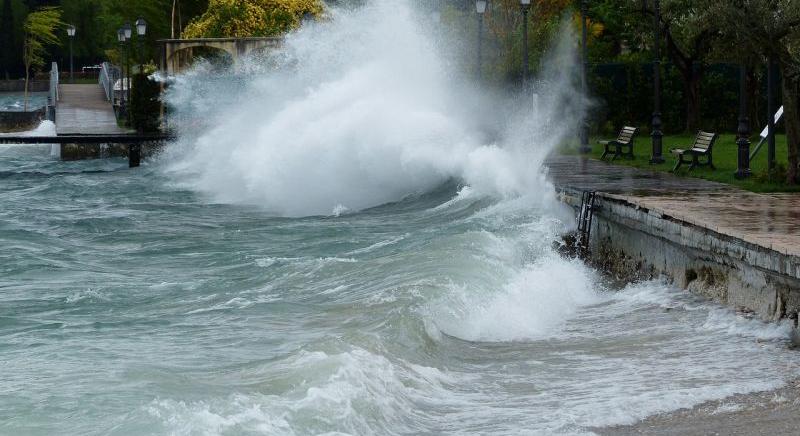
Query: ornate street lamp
[
  {"x": 141, "y": 27},
  {"x": 71, "y": 35},
  {"x": 526, "y": 6},
  {"x": 743, "y": 132},
  {"x": 656, "y": 133},
  {"x": 141, "y": 30},
  {"x": 584, "y": 133},
  {"x": 480, "y": 7}
]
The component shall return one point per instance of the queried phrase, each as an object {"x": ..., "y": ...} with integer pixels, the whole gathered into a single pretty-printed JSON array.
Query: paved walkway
[
  {"x": 83, "y": 109},
  {"x": 767, "y": 220}
]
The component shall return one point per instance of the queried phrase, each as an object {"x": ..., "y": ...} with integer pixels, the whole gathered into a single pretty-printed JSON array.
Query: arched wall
[{"x": 176, "y": 52}]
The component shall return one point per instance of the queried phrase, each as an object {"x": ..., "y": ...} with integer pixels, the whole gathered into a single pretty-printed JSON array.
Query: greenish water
[
  {"x": 347, "y": 237},
  {"x": 15, "y": 101},
  {"x": 132, "y": 305}
]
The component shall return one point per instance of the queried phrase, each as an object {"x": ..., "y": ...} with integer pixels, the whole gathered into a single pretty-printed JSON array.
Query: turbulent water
[
  {"x": 15, "y": 101},
  {"x": 339, "y": 261}
]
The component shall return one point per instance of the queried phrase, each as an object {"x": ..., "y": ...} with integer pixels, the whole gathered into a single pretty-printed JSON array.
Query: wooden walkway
[{"x": 84, "y": 110}]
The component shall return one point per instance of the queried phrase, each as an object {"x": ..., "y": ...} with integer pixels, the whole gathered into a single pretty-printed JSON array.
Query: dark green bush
[{"x": 145, "y": 104}]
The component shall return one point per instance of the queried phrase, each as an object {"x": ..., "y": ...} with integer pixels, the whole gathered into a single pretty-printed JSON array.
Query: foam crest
[{"x": 534, "y": 304}]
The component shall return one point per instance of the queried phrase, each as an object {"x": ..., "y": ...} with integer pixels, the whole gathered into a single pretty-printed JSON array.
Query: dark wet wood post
[{"x": 134, "y": 155}]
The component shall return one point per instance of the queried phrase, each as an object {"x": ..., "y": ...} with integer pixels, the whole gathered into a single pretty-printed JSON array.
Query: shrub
[{"x": 145, "y": 105}]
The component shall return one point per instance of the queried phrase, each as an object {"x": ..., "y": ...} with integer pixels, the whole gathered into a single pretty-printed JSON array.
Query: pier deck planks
[{"x": 84, "y": 110}]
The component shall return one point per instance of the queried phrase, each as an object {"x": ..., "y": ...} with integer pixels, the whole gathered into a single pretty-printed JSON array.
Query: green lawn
[{"x": 725, "y": 156}]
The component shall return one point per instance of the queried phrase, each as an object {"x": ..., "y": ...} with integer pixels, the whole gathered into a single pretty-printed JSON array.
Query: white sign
[{"x": 778, "y": 116}]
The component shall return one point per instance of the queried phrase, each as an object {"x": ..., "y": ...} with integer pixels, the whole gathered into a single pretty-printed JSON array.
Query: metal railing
[
  {"x": 107, "y": 79},
  {"x": 54, "y": 83},
  {"x": 52, "y": 98}
]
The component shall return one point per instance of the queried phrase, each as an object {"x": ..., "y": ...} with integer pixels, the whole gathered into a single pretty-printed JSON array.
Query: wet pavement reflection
[{"x": 767, "y": 220}]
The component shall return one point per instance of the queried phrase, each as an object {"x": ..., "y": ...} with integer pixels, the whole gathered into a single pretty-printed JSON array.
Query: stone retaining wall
[{"x": 633, "y": 243}]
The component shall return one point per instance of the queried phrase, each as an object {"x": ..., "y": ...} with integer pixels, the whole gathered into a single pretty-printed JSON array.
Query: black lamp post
[
  {"x": 141, "y": 30},
  {"x": 526, "y": 6},
  {"x": 743, "y": 132},
  {"x": 480, "y": 7},
  {"x": 71, "y": 35},
  {"x": 771, "y": 114},
  {"x": 584, "y": 133},
  {"x": 121, "y": 40},
  {"x": 656, "y": 133},
  {"x": 128, "y": 33}
]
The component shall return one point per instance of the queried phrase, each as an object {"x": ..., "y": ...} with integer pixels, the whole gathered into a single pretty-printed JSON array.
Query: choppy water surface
[
  {"x": 347, "y": 238},
  {"x": 15, "y": 101},
  {"x": 129, "y": 305}
]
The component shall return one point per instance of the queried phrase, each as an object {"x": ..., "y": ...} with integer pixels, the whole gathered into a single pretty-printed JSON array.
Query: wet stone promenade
[{"x": 771, "y": 221}]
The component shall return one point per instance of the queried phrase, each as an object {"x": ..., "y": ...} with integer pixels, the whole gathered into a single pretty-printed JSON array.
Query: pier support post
[{"x": 134, "y": 155}]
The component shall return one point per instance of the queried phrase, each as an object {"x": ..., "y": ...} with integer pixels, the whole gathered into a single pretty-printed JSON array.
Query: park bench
[
  {"x": 703, "y": 144},
  {"x": 624, "y": 140}
]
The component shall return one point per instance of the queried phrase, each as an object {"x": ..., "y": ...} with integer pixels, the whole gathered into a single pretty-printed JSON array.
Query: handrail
[
  {"x": 54, "y": 83},
  {"x": 52, "y": 97},
  {"x": 107, "y": 79}
]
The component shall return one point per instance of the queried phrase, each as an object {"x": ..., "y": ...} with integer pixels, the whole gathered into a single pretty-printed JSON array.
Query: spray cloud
[{"x": 360, "y": 110}]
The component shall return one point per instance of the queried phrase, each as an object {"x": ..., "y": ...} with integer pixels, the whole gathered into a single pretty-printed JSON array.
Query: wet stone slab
[{"x": 767, "y": 220}]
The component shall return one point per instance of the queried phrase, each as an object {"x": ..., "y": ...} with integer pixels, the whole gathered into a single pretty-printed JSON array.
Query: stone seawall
[{"x": 633, "y": 242}]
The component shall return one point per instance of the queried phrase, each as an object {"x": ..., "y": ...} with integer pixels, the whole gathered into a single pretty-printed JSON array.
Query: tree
[
  {"x": 689, "y": 32},
  {"x": 770, "y": 28},
  {"x": 39, "y": 27},
  {"x": 6, "y": 39},
  {"x": 234, "y": 18}
]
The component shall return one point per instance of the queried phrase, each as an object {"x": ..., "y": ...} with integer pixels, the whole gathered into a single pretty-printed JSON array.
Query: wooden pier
[
  {"x": 85, "y": 116},
  {"x": 132, "y": 141},
  {"x": 84, "y": 110}
]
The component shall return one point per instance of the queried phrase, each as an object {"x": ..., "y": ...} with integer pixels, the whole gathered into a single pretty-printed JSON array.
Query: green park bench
[
  {"x": 623, "y": 141},
  {"x": 703, "y": 145}
]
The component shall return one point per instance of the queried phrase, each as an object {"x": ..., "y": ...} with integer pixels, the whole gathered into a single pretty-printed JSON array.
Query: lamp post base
[{"x": 656, "y": 157}]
